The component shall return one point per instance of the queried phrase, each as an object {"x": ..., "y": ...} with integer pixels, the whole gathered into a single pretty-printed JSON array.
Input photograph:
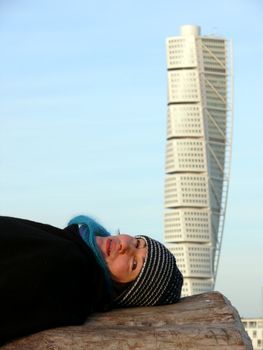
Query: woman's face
[{"x": 124, "y": 256}]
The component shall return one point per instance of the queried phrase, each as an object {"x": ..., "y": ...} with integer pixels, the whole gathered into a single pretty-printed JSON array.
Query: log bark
[{"x": 205, "y": 321}]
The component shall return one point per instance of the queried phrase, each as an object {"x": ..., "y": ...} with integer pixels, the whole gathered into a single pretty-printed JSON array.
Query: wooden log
[{"x": 205, "y": 321}]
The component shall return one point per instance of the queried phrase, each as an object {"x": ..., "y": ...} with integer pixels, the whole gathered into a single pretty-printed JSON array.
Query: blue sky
[{"x": 83, "y": 119}]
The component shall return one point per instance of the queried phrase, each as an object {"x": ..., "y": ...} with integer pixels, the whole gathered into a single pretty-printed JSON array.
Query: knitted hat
[{"x": 159, "y": 281}]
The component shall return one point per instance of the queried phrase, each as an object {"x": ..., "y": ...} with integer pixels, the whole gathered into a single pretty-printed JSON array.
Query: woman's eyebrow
[{"x": 142, "y": 242}]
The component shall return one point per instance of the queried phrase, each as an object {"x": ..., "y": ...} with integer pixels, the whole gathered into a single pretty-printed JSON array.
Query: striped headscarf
[{"x": 159, "y": 282}]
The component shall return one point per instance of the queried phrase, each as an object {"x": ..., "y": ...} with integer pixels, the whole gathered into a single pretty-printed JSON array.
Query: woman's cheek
[{"x": 119, "y": 270}]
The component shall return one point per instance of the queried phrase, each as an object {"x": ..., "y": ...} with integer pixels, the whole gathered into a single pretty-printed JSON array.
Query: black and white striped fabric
[{"x": 159, "y": 282}]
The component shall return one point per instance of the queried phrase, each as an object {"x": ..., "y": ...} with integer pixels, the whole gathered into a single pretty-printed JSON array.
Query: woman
[{"x": 51, "y": 277}]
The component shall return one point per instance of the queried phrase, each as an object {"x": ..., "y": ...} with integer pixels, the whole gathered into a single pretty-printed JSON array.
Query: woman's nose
[{"x": 124, "y": 247}]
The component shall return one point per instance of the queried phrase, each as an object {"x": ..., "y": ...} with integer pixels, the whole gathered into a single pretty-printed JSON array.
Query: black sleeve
[
  {"x": 51, "y": 285},
  {"x": 19, "y": 224}
]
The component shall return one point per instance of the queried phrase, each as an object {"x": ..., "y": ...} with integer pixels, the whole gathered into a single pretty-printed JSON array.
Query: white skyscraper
[{"x": 198, "y": 153}]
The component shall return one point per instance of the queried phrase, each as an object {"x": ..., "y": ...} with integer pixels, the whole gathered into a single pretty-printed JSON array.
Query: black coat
[{"x": 48, "y": 278}]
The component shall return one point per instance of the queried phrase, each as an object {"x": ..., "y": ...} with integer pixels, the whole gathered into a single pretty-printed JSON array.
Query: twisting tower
[{"x": 198, "y": 151}]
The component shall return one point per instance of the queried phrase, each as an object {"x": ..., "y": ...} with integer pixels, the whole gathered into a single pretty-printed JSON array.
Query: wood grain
[{"x": 205, "y": 321}]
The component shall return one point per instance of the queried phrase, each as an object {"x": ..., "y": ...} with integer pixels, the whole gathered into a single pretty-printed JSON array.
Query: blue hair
[{"x": 89, "y": 229}]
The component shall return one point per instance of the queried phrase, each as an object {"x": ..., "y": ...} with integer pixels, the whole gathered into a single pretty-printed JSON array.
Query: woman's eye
[{"x": 134, "y": 264}]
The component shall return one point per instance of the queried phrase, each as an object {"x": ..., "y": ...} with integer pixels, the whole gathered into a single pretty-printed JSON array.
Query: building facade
[
  {"x": 254, "y": 328},
  {"x": 198, "y": 148}
]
